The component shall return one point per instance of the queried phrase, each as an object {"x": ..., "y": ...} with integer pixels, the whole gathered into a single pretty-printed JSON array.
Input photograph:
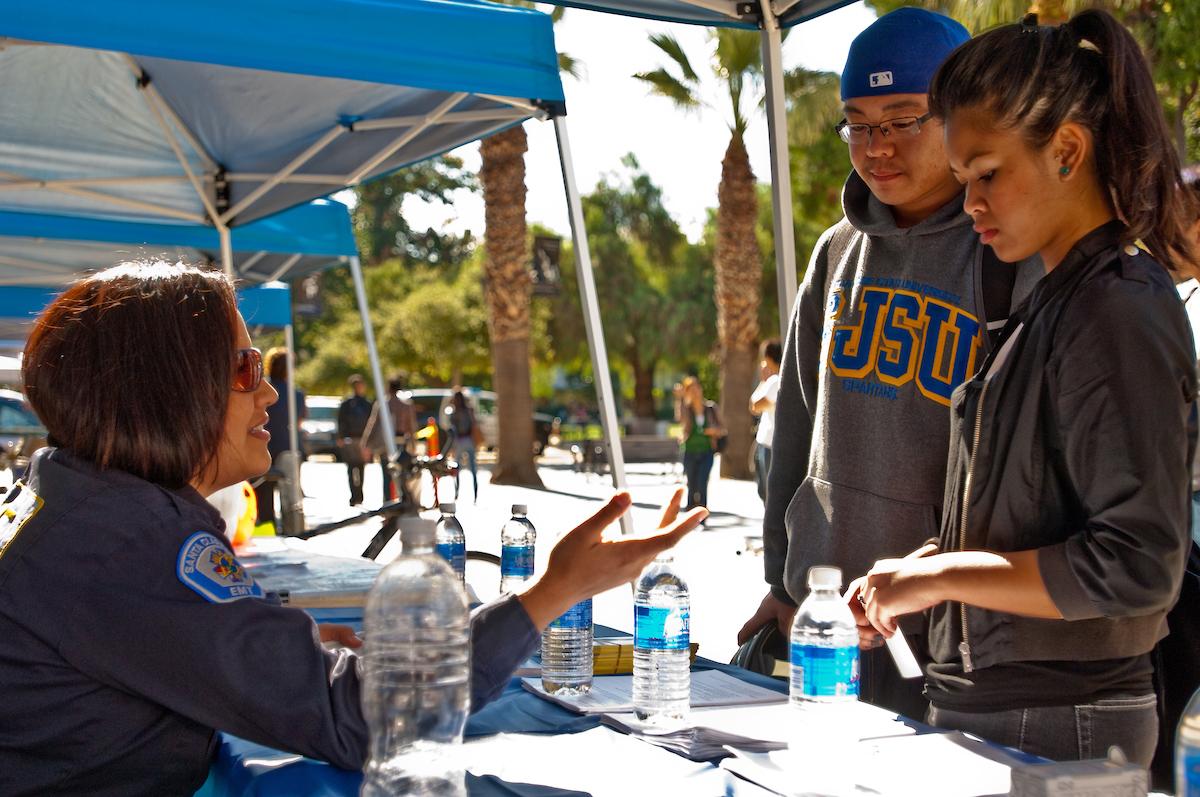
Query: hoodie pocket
[{"x": 832, "y": 524}]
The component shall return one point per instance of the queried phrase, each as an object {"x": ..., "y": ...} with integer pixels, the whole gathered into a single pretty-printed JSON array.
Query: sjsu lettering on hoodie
[{"x": 899, "y": 336}]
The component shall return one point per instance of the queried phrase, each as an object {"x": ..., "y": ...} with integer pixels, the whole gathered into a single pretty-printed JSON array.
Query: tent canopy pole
[
  {"x": 591, "y": 317},
  {"x": 381, "y": 394},
  {"x": 293, "y": 511},
  {"x": 781, "y": 173},
  {"x": 226, "y": 250}
]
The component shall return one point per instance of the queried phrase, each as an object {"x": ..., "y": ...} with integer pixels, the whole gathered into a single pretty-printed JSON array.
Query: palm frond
[
  {"x": 673, "y": 50},
  {"x": 737, "y": 52},
  {"x": 663, "y": 82},
  {"x": 569, "y": 65},
  {"x": 813, "y": 102}
]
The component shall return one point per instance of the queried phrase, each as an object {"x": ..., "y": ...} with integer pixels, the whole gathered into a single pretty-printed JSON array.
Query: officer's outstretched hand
[{"x": 584, "y": 563}]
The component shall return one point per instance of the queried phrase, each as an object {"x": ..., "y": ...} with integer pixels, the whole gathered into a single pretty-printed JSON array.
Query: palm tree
[
  {"x": 737, "y": 63},
  {"x": 509, "y": 291}
]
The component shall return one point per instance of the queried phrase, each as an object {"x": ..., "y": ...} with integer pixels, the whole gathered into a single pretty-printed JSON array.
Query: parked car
[
  {"x": 433, "y": 401},
  {"x": 319, "y": 430},
  {"x": 21, "y": 433}
]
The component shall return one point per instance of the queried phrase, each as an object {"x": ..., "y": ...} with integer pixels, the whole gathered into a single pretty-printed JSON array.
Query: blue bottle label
[
  {"x": 661, "y": 627},
  {"x": 1191, "y": 771},
  {"x": 578, "y": 616},
  {"x": 456, "y": 554},
  {"x": 824, "y": 672},
  {"x": 516, "y": 560}
]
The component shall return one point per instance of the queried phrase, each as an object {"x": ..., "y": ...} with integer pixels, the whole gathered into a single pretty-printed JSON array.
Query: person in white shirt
[{"x": 762, "y": 403}]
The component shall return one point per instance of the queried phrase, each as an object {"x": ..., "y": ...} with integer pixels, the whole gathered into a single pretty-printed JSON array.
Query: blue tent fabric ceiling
[
  {"x": 269, "y": 103},
  {"x": 428, "y": 44},
  {"x": 38, "y": 249},
  {"x": 717, "y": 13}
]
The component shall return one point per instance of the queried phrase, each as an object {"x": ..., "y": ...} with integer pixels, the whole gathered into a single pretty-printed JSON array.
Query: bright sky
[{"x": 609, "y": 114}]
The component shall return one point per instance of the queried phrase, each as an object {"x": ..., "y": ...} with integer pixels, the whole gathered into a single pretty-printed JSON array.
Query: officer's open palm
[{"x": 585, "y": 562}]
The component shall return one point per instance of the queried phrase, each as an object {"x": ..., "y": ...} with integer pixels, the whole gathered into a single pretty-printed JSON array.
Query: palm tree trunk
[
  {"x": 643, "y": 389},
  {"x": 509, "y": 291},
  {"x": 738, "y": 275}
]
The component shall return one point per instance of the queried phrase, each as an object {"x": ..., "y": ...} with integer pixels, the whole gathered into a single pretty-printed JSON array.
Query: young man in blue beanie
[{"x": 893, "y": 314}]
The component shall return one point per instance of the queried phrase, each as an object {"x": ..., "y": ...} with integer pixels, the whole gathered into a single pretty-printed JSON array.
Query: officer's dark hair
[
  {"x": 771, "y": 350},
  {"x": 1090, "y": 71},
  {"x": 131, "y": 367},
  {"x": 276, "y": 364}
]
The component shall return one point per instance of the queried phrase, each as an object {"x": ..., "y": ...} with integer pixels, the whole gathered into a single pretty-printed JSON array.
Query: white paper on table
[
  {"x": 614, "y": 693},
  {"x": 930, "y": 765},
  {"x": 758, "y": 728},
  {"x": 599, "y": 761}
]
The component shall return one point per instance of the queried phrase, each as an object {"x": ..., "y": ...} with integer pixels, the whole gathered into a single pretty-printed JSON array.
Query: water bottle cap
[
  {"x": 520, "y": 509},
  {"x": 417, "y": 532},
  {"x": 447, "y": 507},
  {"x": 824, "y": 578}
]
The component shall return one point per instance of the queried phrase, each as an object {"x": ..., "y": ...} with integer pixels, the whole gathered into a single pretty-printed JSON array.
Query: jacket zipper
[{"x": 964, "y": 647}]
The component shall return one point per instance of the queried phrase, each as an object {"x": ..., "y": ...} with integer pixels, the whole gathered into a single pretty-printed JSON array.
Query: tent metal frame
[{"x": 211, "y": 175}]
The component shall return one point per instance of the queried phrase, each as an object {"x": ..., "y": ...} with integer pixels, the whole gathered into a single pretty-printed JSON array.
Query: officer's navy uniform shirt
[{"x": 129, "y": 632}]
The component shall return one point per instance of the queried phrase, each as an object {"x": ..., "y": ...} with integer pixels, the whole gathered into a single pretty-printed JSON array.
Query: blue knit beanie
[{"x": 899, "y": 53}]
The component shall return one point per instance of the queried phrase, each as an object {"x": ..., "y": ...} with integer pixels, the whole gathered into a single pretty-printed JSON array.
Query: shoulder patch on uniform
[
  {"x": 22, "y": 504},
  {"x": 208, "y": 568}
]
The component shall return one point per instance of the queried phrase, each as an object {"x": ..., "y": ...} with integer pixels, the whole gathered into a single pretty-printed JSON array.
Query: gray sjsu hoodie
[{"x": 888, "y": 322}]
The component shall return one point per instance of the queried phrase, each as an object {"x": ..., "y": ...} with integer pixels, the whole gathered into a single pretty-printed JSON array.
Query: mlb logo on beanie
[{"x": 899, "y": 53}]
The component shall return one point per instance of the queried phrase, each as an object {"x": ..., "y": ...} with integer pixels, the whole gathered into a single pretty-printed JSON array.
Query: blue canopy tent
[
  {"x": 770, "y": 17},
  {"x": 226, "y": 111},
  {"x": 46, "y": 249}
]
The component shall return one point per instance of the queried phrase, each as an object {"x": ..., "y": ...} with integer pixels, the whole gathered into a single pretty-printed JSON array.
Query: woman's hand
[
  {"x": 341, "y": 634},
  {"x": 868, "y": 637},
  {"x": 583, "y": 563},
  {"x": 895, "y": 587}
]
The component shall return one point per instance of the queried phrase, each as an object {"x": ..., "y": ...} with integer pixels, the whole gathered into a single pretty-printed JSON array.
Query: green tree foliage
[
  {"x": 654, "y": 288},
  {"x": 1166, "y": 29},
  {"x": 402, "y": 267},
  {"x": 379, "y": 224}
]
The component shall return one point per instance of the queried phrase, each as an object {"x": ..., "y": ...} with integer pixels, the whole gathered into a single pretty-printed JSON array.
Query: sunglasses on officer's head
[{"x": 247, "y": 370}]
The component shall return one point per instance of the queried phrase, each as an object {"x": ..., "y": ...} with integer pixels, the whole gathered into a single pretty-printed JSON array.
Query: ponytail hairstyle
[{"x": 1090, "y": 70}]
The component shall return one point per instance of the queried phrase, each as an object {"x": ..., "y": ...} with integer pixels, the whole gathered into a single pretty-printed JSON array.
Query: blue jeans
[
  {"x": 697, "y": 467},
  {"x": 762, "y": 466},
  {"x": 1066, "y": 733}
]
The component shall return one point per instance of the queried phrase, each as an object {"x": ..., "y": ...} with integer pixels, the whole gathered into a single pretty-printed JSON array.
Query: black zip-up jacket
[{"x": 1077, "y": 438}]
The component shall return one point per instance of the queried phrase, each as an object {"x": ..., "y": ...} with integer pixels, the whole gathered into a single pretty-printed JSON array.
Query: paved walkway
[{"x": 725, "y": 580}]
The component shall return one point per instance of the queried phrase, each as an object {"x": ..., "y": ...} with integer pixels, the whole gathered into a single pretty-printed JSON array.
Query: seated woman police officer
[{"x": 130, "y": 630}]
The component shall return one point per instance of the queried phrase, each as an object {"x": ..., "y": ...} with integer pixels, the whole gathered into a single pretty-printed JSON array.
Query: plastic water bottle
[
  {"x": 416, "y": 672},
  {"x": 567, "y": 651},
  {"x": 452, "y": 541},
  {"x": 661, "y": 637},
  {"x": 517, "y": 540},
  {"x": 1187, "y": 751},
  {"x": 824, "y": 676},
  {"x": 824, "y": 652}
]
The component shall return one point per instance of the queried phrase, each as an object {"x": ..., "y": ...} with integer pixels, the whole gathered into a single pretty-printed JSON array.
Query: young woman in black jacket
[{"x": 1066, "y": 520}]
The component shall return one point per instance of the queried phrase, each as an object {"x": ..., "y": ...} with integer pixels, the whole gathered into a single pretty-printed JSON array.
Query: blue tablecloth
[{"x": 245, "y": 769}]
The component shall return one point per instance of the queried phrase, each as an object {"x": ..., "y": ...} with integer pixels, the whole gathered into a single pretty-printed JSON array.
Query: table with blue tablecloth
[
  {"x": 523, "y": 745},
  {"x": 517, "y": 725}
]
